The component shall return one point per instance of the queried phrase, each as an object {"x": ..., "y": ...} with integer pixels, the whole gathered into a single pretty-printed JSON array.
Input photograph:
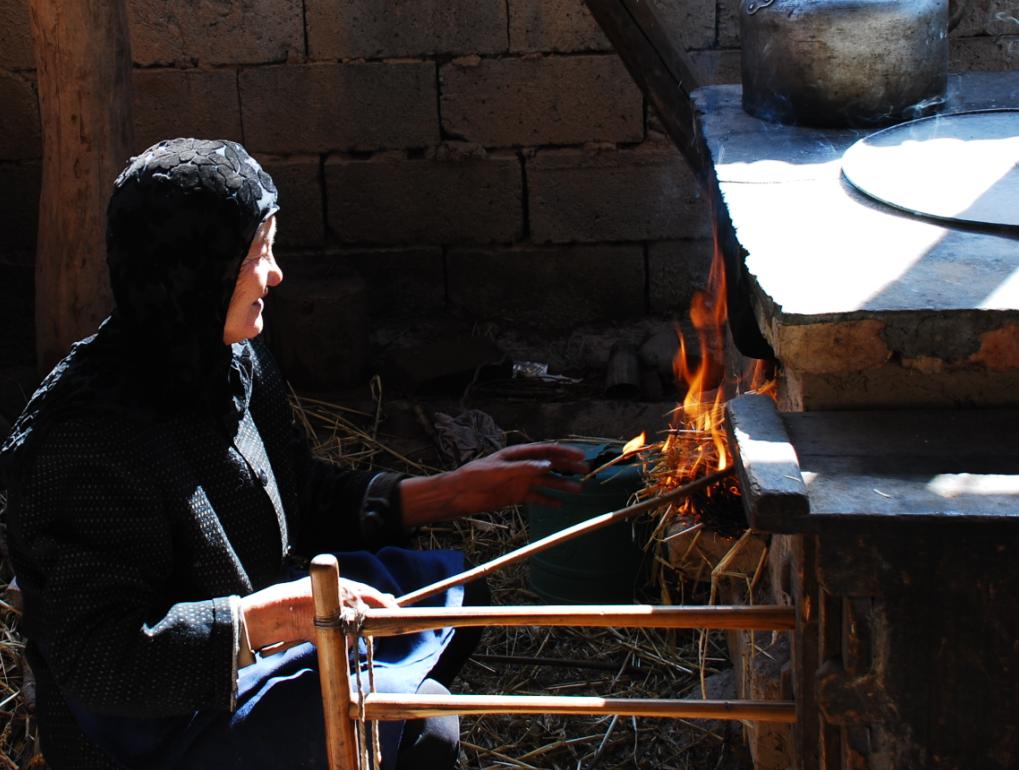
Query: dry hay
[
  {"x": 350, "y": 437},
  {"x": 18, "y": 735},
  {"x": 632, "y": 663}
]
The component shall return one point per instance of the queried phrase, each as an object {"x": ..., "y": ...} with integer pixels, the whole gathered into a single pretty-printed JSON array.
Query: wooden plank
[
  {"x": 808, "y": 472},
  {"x": 661, "y": 69},
  {"x": 389, "y": 622},
  {"x": 83, "y": 68},
  {"x": 848, "y": 564},
  {"x": 774, "y": 495},
  {"x": 677, "y": 63},
  {"x": 839, "y": 495},
  {"x": 964, "y": 438},
  {"x": 972, "y": 647},
  {"x": 807, "y": 732},
  {"x": 386, "y": 706},
  {"x": 934, "y": 465}
]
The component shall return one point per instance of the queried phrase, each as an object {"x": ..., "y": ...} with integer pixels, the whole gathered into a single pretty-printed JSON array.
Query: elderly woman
[{"x": 160, "y": 497}]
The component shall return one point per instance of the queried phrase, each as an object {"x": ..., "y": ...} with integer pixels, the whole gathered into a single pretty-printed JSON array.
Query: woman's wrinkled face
[{"x": 257, "y": 274}]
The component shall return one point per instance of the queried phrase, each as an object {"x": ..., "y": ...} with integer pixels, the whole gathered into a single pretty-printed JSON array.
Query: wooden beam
[
  {"x": 774, "y": 494},
  {"x": 83, "y": 65},
  {"x": 405, "y": 620},
  {"x": 659, "y": 66},
  {"x": 333, "y": 665},
  {"x": 386, "y": 706}
]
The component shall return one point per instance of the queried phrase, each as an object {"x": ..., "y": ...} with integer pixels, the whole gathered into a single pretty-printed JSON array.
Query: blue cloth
[{"x": 278, "y": 720}]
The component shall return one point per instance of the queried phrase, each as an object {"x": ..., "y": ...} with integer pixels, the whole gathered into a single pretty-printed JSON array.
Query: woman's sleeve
[
  {"x": 345, "y": 510},
  {"x": 97, "y": 550},
  {"x": 337, "y": 509}
]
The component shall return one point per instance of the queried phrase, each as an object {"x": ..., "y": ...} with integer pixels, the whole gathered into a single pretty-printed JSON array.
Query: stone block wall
[{"x": 487, "y": 156}]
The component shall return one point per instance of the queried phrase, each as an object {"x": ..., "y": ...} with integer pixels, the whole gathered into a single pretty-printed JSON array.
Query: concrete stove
[
  {"x": 893, "y": 530},
  {"x": 864, "y": 306}
]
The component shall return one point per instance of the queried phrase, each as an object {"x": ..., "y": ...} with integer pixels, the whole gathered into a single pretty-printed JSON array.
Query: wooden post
[
  {"x": 83, "y": 63},
  {"x": 660, "y": 67},
  {"x": 333, "y": 665}
]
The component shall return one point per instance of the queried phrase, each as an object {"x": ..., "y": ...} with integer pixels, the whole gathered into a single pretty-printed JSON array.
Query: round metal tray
[{"x": 962, "y": 167}]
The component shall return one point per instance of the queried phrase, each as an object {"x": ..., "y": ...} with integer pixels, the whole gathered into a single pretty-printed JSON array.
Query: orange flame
[
  {"x": 635, "y": 443},
  {"x": 697, "y": 443},
  {"x": 702, "y": 407}
]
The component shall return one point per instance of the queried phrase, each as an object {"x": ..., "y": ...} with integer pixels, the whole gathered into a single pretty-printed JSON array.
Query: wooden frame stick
[
  {"x": 333, "y": 665},
  {"x": 388, "y": 706},
  {"x": 389, "y": 622},
  {"x": 562, "y": 536}
]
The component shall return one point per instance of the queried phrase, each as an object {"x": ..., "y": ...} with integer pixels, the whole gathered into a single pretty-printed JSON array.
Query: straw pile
[
  {"x": 522, "y": 661},
  {"x": 619, "y": 662},
  {"x": 18, "y": 734}
]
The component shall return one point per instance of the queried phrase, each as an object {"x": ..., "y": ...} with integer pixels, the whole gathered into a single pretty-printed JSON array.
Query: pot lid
[{"x": 961, "y": 167}]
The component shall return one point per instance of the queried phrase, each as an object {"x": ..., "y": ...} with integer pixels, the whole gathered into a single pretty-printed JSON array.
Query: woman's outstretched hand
[{"x": 516, "y": 474}]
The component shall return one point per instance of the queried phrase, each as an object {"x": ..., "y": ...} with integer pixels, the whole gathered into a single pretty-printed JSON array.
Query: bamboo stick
[
  {"x": 622, "y": 457},
  {"x": 333, "y": 665},
  {"x": 695, "y": 528},
  {"x": 405, "y": 620},
  {"x": 389, "y": 706},
  {"x": 560, "y": 537}
]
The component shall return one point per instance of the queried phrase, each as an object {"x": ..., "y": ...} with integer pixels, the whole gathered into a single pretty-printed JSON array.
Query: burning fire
[
  {"x": 697, "y": 443},
  {"x": 634, "y": 444}
]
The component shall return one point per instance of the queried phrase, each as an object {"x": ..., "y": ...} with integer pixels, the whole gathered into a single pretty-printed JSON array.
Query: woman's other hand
[
  {"x": 516, "y": 474},
  {"x": 353, "y": 593},
  {"x": 284, "y": 613}
]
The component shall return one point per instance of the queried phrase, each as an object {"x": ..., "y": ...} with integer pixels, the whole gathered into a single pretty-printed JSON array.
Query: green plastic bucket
[{"x": 601, "y": 567}]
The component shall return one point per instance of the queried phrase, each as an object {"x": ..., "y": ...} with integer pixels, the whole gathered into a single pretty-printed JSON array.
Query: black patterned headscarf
[{"x": 180, "y": 221}]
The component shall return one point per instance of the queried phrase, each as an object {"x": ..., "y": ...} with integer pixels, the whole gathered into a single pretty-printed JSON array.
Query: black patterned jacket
[{"x": 132, "y": 536}]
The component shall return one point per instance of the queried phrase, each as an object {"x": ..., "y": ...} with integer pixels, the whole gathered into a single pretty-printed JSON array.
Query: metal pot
[{"x": 844, "y": 62}]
